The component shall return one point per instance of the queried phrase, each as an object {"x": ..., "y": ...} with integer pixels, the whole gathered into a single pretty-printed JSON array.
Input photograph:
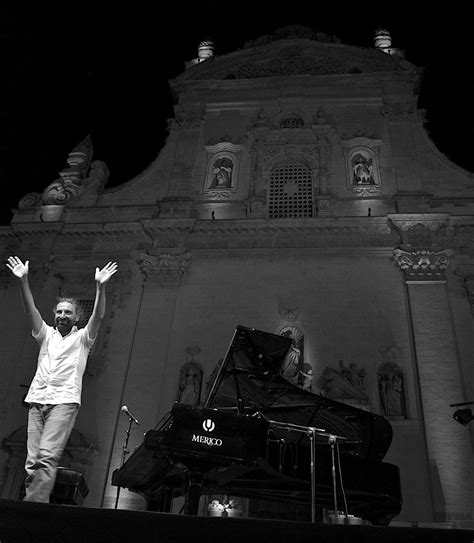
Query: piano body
[{"x": 250, "y": 440}]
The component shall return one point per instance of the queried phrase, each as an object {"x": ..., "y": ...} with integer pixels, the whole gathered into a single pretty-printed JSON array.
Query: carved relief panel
[{"x": 391, "y": 385}]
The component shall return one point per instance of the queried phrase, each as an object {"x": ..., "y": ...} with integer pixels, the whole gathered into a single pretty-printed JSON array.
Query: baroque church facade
[{"x": 297, "y": 193}]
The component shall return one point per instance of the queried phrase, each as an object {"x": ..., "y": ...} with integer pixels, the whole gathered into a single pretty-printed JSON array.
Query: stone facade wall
[{"x": 195, "y": 261}]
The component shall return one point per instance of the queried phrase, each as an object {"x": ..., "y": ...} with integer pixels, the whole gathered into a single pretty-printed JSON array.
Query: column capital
[
  {"x": 423, "y": 264},
  {"x": 165, "y": 269}
]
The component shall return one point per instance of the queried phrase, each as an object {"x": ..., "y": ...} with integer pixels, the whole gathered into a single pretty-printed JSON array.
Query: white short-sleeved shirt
[{"x": 61, "y": 365}]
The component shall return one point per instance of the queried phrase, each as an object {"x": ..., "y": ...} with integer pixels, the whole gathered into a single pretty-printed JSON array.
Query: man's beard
[{"x": 64, "y": 325}]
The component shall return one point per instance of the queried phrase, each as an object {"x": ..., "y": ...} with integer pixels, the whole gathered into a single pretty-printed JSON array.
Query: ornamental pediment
[{"x": 293, "y": 57}]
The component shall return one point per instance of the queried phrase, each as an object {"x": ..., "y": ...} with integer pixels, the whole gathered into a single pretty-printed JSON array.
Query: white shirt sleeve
[
  {"x": 88, "y": 341},
  {"x": 41, "y": 333}
]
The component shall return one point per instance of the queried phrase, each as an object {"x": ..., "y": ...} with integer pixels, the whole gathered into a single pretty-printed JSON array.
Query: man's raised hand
[
  {"x": 103, "y": 275},
  {"x": 16, "y": 266}
]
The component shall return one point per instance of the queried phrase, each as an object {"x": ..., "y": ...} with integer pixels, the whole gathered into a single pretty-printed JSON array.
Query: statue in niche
[
  {"x": 222, "y": 174},
  {"x": 293, "y": 362},
  {"x": 390, "y": 383},
  {"x": 362, "y": 169},
  {"x": 190, "y": 379},
  {"x": 347, "y": 383}
]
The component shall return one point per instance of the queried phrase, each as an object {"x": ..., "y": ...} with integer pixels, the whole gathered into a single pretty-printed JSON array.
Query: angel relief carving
[{"x": 345, "y": 383}]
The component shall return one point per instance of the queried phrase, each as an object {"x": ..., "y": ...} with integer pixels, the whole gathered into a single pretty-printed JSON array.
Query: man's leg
[
  {"x": 35, "y": 429},
  {"x": 58, "y": 423}
]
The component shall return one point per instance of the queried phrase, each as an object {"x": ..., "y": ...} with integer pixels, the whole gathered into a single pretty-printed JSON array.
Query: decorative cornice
[
  {"x": 423, "y": 264},
  {"x": 400, "y": 111},
  {"x": 408, "y": 232},
  {"x": 232, "y": 141},
  {"x": 418, "y": 230}
]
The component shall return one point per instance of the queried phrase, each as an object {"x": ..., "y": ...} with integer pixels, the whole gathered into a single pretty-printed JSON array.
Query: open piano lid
[{"x": 250, "y": 380}]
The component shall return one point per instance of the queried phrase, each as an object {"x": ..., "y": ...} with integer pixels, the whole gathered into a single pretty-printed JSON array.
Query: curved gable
[{"x": 297, "y": 56}]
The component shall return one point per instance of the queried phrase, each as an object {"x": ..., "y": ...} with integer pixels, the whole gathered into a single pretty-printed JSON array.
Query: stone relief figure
[
  {"x": 290, "y": 368},
  {"x": 306, "y": 377},
  {"x": 362, "y": 168},
  {"x": 222, "y": 173},
  {"x": 320, "y": 117},
  {"x": 390, "y": 382},
  {"x": 354, "y": 375},
  {"x": 293, "y": 363},
  {"x": 294, "y": 368},
  {"x": 190, "y": 379},
  {"x": 343, "y": 384},
  {"x": 288, "y": 307}
]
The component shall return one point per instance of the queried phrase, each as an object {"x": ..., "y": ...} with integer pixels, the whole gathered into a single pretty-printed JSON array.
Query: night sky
[{"x": 82, "y": 69}]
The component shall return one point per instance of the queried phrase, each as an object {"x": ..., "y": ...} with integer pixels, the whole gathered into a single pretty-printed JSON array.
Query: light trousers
[{"x": 49, "y": 428}]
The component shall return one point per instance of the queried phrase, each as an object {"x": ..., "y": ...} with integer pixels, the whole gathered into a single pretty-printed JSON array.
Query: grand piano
[{"x": 259, "y": 435}]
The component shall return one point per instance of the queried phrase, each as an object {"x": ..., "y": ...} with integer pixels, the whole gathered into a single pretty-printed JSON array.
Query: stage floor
[{"x": 22, "y": 522}]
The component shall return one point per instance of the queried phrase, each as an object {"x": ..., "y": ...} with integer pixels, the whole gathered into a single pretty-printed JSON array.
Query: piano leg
[
  {"x": 162, "y": 503},
  {"x": 193, "y": 493}
]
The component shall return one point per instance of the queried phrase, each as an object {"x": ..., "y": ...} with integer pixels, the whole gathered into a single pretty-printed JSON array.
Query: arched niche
[{"x": 363, "y": 178}]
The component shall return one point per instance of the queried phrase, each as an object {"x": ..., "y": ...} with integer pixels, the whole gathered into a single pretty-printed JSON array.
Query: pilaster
[
  {"x": 448, "y": 444},
  {"x": 150, "y": 321}
]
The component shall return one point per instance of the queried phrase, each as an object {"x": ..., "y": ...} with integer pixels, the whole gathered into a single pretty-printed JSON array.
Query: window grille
[
  {"x": 291, "y": 192},
  {"x": 291, "y": 122}
]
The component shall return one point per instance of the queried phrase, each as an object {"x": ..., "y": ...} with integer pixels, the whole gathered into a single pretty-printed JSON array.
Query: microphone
[{"x": 125, "y": 410}]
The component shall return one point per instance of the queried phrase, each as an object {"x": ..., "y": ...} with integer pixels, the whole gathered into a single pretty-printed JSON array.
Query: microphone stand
[
  {"x": 332, "y": 441},
  {"x": 125, "y": 452},
  {"x": 311, "y": 432}
]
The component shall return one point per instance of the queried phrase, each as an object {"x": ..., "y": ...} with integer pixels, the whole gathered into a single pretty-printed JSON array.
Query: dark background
[{"x": 81, "y": 69}]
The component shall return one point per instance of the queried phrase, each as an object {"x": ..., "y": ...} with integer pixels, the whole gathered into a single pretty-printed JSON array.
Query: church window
[{"x": 290, "y": 192}]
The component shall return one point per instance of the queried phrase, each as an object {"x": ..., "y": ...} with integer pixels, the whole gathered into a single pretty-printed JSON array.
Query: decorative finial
[
  {"x": 382, "y": 39},
  {"x": 383, "y": 42},
  {"x": 205, "y": 50}
]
